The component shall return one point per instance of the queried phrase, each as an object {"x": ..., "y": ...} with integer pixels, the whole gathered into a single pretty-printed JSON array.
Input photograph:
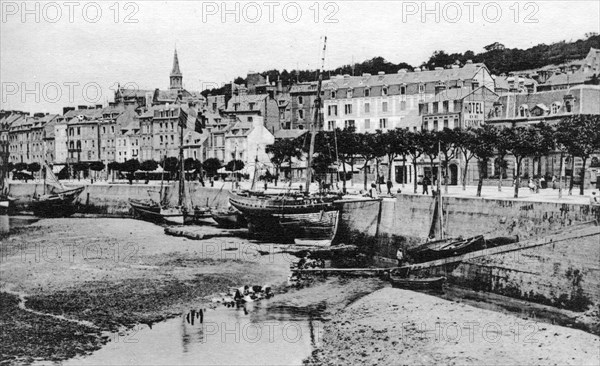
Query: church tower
[{"x": 176, "y": 77}]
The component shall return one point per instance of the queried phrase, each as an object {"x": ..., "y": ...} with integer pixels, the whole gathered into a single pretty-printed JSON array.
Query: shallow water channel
[{"x": 258, "y": 334}]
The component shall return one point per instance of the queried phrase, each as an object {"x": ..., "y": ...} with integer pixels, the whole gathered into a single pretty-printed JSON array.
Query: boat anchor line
[{"x": 23, "y": 298}]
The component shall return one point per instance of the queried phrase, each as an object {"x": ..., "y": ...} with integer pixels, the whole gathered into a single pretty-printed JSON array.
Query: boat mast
[
  {"x": 181, "y": 201},
  {"x": 439, "y": 193},
  {"x": 316, "y": 120}
]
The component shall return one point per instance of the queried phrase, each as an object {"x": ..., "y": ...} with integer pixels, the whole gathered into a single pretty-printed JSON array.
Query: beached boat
[
  {"x": 57, "y": 204},
  {"x": 445, "y": 248},
  {"x": 229, "y": 219},
  {"x": 433, "y": 283},
  {"x": 161, "y": 210},
  {"x": 58, "y": 201},
  {"x": 298, "y": 216}
]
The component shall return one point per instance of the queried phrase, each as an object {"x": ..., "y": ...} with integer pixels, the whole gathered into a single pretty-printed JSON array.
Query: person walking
[
  {"x": 389, "y": 186},
  {"x": 425, "y": 185}
]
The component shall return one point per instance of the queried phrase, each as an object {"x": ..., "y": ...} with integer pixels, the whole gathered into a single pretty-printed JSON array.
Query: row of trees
[{"x": 576, "y": 136}]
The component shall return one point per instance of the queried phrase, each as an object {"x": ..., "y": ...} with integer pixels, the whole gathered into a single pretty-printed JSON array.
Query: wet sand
[
  {"x": 114, "y": 273},
  {"x": 394, "y": 327}
]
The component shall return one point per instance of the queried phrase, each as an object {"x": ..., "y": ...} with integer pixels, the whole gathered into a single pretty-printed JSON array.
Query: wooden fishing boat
[
  {"x": 445, "y": 248},
  {"x": 433, "y": 283},
  {"x": 230, "y": 219},
  {"x": 153, "y": 211},
  {"x": 57, "y": 204}
]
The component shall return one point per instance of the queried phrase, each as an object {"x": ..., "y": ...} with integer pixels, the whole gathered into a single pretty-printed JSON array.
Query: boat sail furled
[
  {"x": 161, "y": 210},
  {"x": 298, "y": 216}
]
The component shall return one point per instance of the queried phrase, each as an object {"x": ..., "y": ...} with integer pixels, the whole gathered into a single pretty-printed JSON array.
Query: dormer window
[
  {"x": 251, "y": 106},
  {"x": 421, "y": 88},
  {"x": 403, "y": 90},
  {"x": 333, "y": 94},
  {"x": 524, "y": 110},
  {"x": 367, "y": 92},
  {"x": 384, "y": 91},
  {"x": 300, "y": 99},
  {"x": 569, "y": 100},
  {"x": 555, "y": 107}
]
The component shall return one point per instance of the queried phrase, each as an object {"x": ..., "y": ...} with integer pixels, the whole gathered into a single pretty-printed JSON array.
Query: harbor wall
[
  {"x": 556, "y": 262},
  {"x": 112, "y": 199}
]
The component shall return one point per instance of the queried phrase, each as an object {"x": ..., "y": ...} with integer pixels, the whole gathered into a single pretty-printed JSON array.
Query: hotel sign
[{"x": 473, "y": 114}]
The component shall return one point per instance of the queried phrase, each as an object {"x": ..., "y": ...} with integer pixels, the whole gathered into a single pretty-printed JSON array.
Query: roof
[
  {"x": 459, "y": 94},
  {"x": 590, "y": 94},
  {"x": 466, "y": 72},
  {"x": 240, "y": 129},
  {"x": 244, "y": 102},
  {"x": 175, "y": 71},
  {"x": 128, "y": 120},
  {"x": 289, "y": 134},
  {"x": 304, "y": 87},
  {"x": 566, "y": 79},
  {"x": 503, "y": 82}
]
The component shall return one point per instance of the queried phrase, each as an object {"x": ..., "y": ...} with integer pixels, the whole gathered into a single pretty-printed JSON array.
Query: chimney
[
  {"x": 381, "y": 73},
  {"x": 82, "y": 107},
  {"x": 98, "y": 106}
]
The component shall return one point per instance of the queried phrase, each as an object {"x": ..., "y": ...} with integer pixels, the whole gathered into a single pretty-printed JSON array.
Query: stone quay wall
[{"x": 556, "y": 262}]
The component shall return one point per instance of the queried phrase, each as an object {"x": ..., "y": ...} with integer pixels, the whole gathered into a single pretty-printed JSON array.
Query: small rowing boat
[{"x": 433, "y": 283}]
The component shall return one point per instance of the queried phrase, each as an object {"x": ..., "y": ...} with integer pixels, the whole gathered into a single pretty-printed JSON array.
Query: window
[
  {"x": 251, "y": 106},
  {"x": 384, "y": 91},
  {"x": 403, "y": 105},
  {"x": 403, "y": 90},
  {"x": 445, "y": 123},
  {"x": 445, "y": 106},
  {"x": 367, "y": 124},
  {"x": 236, "y": 106},
  {"x": 436, "y": 107},
  {"x": 333, "y": 94},
  {"x": 435, "y": 125},
  {"x": 555, "y": 108},
  {"x": 301, "y": 114},
  {"x": 367, "y": 108},
  {"x": 367, "y": 92},
  {"x": 349, "y": 93},
  {"x": 249, "y": 119},
  {"x": 348, "y": 109},
  {"x": 331, "y": 125},
  {"x": 332, "y": 110},
  {"x": 103, "y": 129},
  {"x": 568, "y": 106},
  {"x": 78, "y": 131},
  {"x": 382, "y": 123},
  {"x": 425, "y": 125},
  {"x": 348, "y": 123},
  {"x": 384, "y": 106},
  {"x": 421, "y": 88},
  {"x": 300, "y": 100},
  {"x": 524, "y": 110}
]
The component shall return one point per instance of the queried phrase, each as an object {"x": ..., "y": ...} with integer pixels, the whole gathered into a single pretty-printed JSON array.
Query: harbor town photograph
[{"x": 300, "y": 183}]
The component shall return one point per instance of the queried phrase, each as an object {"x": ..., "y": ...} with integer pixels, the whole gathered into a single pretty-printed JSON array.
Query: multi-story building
[
  {"x": 128, "y": 137},
  {"x": 19, "y": 146},
  {"x": 247, "y": 107},
  {"x": 574, "y": 73},
  {"x": 217, "y": 126},
  {"x": 146, "y": 135},
  {"x": 382, "y": 102},
  {"x": 302, "y": 103},
  {"x": 247, "y": 141},
  {"x": 550, "y": 107}
]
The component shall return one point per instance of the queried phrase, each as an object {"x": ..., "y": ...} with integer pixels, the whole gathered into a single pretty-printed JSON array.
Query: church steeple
[{"x": 176, "y": 76}]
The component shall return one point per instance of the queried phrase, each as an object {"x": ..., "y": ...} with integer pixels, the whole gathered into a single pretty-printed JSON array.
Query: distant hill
[{"x": 496, "y": 57}]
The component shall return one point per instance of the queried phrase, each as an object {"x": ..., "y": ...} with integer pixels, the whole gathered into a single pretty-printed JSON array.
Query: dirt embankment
[{"x": 392, "y": 327}]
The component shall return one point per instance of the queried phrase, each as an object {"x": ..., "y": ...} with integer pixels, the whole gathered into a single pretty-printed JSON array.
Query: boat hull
[
  {"x": 230, "y": 220},
  {"x": 56, "y": 205},
  {"x": 433, "y": 284},
  {"x": 153, "y": 212},
  {"x": 288, "y": 220}
]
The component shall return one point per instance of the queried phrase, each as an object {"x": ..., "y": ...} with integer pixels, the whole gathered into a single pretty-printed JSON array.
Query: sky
[{"x": 63, "y": 53}]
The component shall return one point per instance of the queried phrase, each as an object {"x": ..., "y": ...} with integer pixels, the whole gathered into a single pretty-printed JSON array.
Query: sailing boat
[
  {"x": 299, "y": 216},
  {"x": 442, "y": 246},
  {"x": 59, "y": 201},
  {"x": 161, "y": 210}
]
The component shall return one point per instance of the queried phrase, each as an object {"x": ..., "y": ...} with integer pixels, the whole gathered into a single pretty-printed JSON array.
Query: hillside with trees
[{"x": 496, "y": 56}]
